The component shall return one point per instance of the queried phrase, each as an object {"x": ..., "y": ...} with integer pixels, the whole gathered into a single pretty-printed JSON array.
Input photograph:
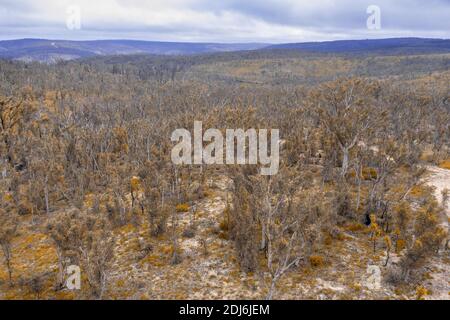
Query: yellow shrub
[
  {"x": 366, "y": 174},
  {"x": 8, "y": 197},
  {"x": 388, "y": 242},
  {"x": 167, "y": 249},
  {"x": 128, "y": 228},
  {"x": 120, "y": 283},
  {"x": 316, "y": 261},
  {"x": 445, "y": 164},
  {"x": 400, "y": 245},
  {"x": 355, "y": 227},
  {"x": 207, "y": 194},
  {"x": 417, "y": 191},
  {"x": 224, "y": 225},
  {"x": 421, "y": 292},
  {"x": 328, "y": 240},
  {"x": 134, "y": 183},
  {"x": 182, "y": 207},
  {"x": 223, "y": 235},
  {"x": 356, "y": 286},
  {"x": 398, "y": 291},
  {"x": 369, "y": 173},
  {"x": 153, "y": 260}
]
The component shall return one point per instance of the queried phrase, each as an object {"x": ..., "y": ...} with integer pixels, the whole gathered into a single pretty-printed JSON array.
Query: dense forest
[{"x": 86, "y": 177}]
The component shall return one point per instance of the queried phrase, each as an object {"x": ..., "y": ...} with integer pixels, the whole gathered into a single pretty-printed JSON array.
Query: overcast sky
[{"x": 271, "y": 21}]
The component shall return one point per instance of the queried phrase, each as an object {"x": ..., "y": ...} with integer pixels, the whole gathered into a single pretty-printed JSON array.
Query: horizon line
[{"x": 229, "y": 43}]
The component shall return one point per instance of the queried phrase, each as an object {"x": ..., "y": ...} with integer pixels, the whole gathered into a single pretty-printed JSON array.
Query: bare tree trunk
[
  {"x": 47, "y": 207},
  {"x": 263, "y": 237},
  {"x": 358, "y": 177},
  {"x": 272, "y": 289},
  {"x": 387, "y": 257},
  {"x": 345, "y": 160},
  {"x": 7, "y": 253},
  {"x": 61, "y": 271},
  {"x": 102, "y": 289}
]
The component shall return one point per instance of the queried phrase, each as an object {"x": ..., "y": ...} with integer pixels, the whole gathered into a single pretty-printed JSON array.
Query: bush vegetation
[{"x": 85, "y": 152}]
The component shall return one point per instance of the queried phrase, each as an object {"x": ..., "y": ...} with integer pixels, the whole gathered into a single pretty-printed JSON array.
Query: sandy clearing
[{"x": 439, "y": 179}]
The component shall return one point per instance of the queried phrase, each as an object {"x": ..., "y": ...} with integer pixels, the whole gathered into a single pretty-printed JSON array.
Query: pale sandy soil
[
  {"x": 440, "y": 268},
  {"x": 439, "y": 179}
]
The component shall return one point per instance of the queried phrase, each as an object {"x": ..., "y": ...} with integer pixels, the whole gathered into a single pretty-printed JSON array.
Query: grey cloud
[
  {"x": 411, "y": 14},
  {"x": 226, "y": 20}
]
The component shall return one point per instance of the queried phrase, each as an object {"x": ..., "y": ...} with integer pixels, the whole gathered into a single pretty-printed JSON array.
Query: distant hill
[
  {"x": 383, "y": 46},
  {"x": 54, "y": 50}
]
